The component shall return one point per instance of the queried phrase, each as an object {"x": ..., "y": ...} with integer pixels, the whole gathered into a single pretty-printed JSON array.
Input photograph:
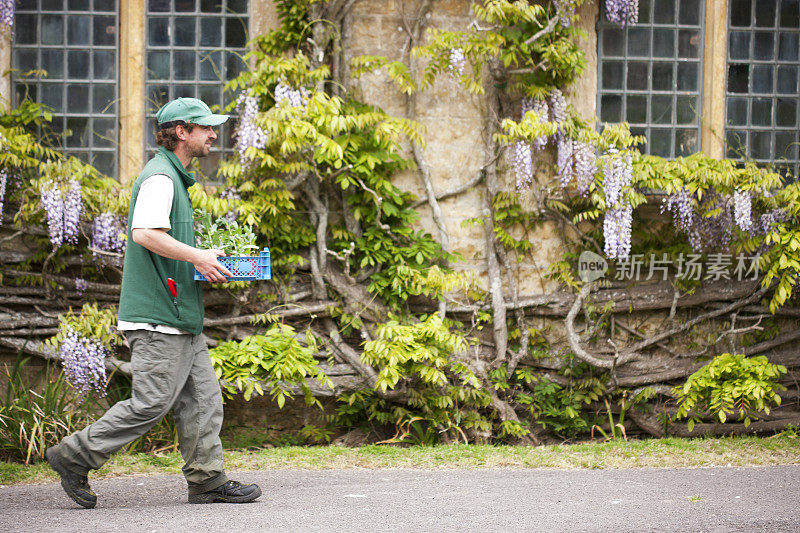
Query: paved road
[{"x": 706, "y": 499}]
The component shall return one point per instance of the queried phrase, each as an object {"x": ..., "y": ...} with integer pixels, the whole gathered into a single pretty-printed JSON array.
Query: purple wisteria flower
[
  {"x": 108, "y": 235},
  {"x": 523, "y": 164},
  {"x": 3, "y": 181},
  {"x": 565, "y": 165},
  {"x": 585, "y": 166},
  {"x": 7, "y": 12},
  {"x": 617, "y": 176},
  {"x": 63, "y": 209},
  {"x": 457, "y": 62},
  {"x": 287, "y": 96},
  {"x": 742, "y": 207},
  {"x": 248, "y": 134},
  {"x": 83, "y": 359},
  {"x": 80, "y": 285},
  {"x": 622, "y": 12}
]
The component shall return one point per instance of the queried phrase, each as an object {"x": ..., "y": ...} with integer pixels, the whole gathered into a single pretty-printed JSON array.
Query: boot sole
[
  {"x": 219, "y": 498},
  {"x": 59, "y": 469}
]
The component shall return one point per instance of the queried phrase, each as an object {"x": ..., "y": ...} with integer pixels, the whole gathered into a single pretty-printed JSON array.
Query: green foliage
[
  {"x": 91, "y": 322},
  {"x": 293, "y": 15},
  {"x": 32, "y": 420},
  {"x": 275, "y": 358},
  {"x": 730, "y": 383},
  {"x": 556, "y": 407},
  {"x": 224, "y": 234}
]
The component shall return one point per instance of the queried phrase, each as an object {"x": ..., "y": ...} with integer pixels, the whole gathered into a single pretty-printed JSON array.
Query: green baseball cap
[{"x": 188, "y": 110}]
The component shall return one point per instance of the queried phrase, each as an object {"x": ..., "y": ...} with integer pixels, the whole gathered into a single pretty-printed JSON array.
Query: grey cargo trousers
[{"x": 169, "y": 372}]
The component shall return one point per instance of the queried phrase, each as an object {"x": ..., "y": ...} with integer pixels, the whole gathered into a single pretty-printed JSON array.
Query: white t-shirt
[{"x": 152, "y": 209}]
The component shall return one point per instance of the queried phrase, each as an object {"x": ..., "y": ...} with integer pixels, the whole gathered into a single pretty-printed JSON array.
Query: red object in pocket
[{"x": 173, "y": 289}]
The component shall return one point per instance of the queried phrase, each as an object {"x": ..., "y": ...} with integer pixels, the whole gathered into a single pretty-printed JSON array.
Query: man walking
[{"x": 161, "y": 312}]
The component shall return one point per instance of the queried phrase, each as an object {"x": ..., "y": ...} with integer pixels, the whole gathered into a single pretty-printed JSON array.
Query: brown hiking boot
[{"x": 75, "y": 485}]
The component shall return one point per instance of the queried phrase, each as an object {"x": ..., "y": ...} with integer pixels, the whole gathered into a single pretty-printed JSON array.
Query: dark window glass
[
  {"x": 637, "y": 76},
  {"x": 688, "y": 77},
  {"x": 790, "y": 14},
  {"x": 611, "y": 108},
  {"x": 612, "y": 75},
  {"x": 689, "y": 13},
  {"x": 766, "y": 13},
  {"x": 786, "y": 112},
  {"x": 663, "y": 77},
  {"x": 762, "y": 79},
  {"x": 52, "y": 29},
  {"x": 738, "y": 78},
  {"x": 740, "y": 12},
  {"x": 737, "y": 111},
  {"x": 184, "y": 31},
  {"x": 613, "y": 42},
  {"x": 105, "y": 31},
  {"x": 739, "y": 45},
  {"x": 78, "y": 65},
  {"x": 25, "y": 28},
  {"x": 664, "y": 11},
  {"x": 158, "y": 31},
  {"x": 661, "y": 109}
]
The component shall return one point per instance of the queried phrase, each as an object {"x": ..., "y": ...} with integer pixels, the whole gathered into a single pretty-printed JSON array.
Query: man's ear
[{"x": 181, "y": 133}]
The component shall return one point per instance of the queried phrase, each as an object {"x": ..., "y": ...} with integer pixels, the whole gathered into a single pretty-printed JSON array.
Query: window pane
[
  {"x": 25, "y": 29},
  {"x": 661, "y": 109},
  {"x": 737, "y": 111},
  {"x": 662, "y": 77},
  {"x": 761, "y": 112},
  {"x": 738, "y": 78},
  {"x": 78, "y": 29},
  {"x": 637, "y": 76},
  {"x": 158, "y": 65},
  {"x": 211, "y": 31},
  {"x": 787, "y": 79},
  {"x": 103, "y": 100},
  {"x": 184, "y": 5},
  {"x": 688, "y": 77},
  {"x": 211, "y": 6},
  {"x": 611, "y": 108},
  {"x": 235, "y": 36},
  {"x": 53, "y": 63},
  {"x": 689, "y": 13},
  {"x": 237, "y": 6},
  {"x": 686, "y": 110},
  {"x": 689, "y": 43},
  {"x": 663, "y": 43},
  {"x": 78, "y": 98},
  {"x": 184, "y": 31},
  {"x": 786, "y": 112},
  {"x": 77, "y": 64},
  {"x": 105, "y": 31},
  {"x": 786, "y": 145},
  {"x": 78, "y": 5},
  {"x": 158, "y": 31},
  {"x": 612, "y": 75},
  {"x": 788, "y": 45},
  {"x": 686, "y": 142},
  {"x": 158, "y": 5},
  {"x": 739, "y": 45},
  {"x": 613, "y": 42},
  {"x": 211, "y": 66},
  {"x": 664, "y": 11},
  {"x": 766, "y": 13},
  {"x": 638, "y": 42},
  {"x": 645, "y": 11},
  {"x": 636, "y": 109},
  {"x": 660, "y": 142},
  {"x": 52, "y": 29},
  {"x": 790, "y": 14},
  {"x": 762, "y": 79},
  {"x": 104, "y": 132},
  {"x": 764, "y": 45},
  {"x": 183, "y": 65},
  {"x": 104, "y": 65},
  {"x": 760, "y": 145},
  {"x": 740, "y": 12},
  {"x": 52, "y": 95},
  {"x": 735, "y": 143}
]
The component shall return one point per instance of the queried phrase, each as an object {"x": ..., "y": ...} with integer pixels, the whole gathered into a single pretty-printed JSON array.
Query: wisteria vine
[
  {"x": 7, "y": 12},
  {"x": 248, "y": 134},
  {"x": 108, "y": 235}
]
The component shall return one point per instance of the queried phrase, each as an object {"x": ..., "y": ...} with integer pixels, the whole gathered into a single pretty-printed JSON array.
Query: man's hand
[
  {"x": 206, "y": 263},
  {"x": 157, "y": 240}
]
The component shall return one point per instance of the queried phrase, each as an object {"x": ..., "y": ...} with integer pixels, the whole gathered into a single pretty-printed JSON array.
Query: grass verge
[{"x": 654, "y": 453}]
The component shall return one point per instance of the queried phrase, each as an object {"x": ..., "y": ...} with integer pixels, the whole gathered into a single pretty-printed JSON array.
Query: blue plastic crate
[{"x": 244, "y": 268}]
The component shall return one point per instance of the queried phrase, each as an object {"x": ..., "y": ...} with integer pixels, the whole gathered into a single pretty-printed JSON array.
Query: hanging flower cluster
[
  {"x": 287, "y": 96},
  {"x": 80, "y": 285},
  {"x": 622, "y": 12},
  {"x": 523, "y": 164},
  {"x": 63, "y": 208},
  {"x": 7, "y": 12},
  {"x": 705, "y": 232},
  {"x": 108, "y": 235},
  {"x": 247, "y": 133},
  {"x": 3, "y": 181},
  {"x": 742, "y": 207},
  {"x": 617, "y": 176},
  {"x": 83, "y": 359},
  {"x": 566, "y": 10},
  {"x": 457, "y": 62}
]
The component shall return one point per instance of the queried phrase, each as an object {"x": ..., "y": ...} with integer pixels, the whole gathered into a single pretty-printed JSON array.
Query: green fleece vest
[{"x": 145, "y": 295}]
